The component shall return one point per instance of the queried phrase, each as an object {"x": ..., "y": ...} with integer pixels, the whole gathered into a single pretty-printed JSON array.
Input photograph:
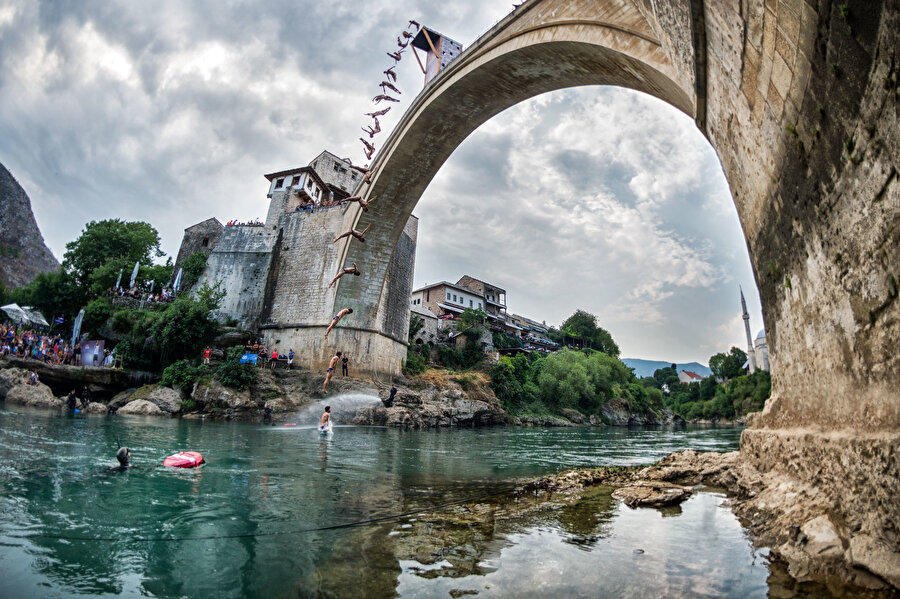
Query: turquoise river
[{"x": 369, "y": 512}]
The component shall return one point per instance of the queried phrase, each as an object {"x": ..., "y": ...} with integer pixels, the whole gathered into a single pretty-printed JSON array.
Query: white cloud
[{"x": 594, "y": 198}]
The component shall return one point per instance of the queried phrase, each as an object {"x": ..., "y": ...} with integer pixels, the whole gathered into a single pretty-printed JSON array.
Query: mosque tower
[{"x": 751, "y": 354}]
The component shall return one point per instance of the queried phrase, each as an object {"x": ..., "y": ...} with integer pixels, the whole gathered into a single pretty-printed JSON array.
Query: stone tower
[{"x": 751, "y": 353}]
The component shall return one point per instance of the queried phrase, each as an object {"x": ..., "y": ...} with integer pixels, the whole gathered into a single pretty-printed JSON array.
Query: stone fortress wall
[
  {"x": 239, "y": 262},
  {"x": 275, "y": 278},
  {"x": 202, "y": 237}
]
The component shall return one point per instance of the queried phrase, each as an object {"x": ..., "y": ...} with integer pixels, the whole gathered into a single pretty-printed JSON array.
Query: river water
[{"x": 279, "y": 511}]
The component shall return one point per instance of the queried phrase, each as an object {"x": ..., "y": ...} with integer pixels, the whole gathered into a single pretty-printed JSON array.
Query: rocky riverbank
[
  {"x": 793, "y": 519},
  {"x": 437, "y": 398}
]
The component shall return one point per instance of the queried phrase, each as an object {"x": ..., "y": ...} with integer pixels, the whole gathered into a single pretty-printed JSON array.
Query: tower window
[
  {"x": 279, "y": 183},
  {"x": 295, "y": 180},
  {"x": 205, "y": 242}
]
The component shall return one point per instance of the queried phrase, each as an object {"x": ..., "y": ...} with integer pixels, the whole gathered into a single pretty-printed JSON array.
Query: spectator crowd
[
  {"x": 165, "y": 295},
  {"x": 21, "y": 342}
]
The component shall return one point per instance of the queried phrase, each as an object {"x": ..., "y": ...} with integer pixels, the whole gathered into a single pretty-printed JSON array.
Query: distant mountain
[
  {"x": 644, "y": 368},
  {"x": 23, "y": 253}
]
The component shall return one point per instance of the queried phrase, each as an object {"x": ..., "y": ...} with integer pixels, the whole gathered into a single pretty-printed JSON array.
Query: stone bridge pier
[{"x": 799, "y": 98}]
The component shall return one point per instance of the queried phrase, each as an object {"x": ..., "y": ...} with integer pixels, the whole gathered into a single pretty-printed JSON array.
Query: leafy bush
[
  {"x": 415, "y": 363},
  {"x": 188, "y": 405},
  {"x": 96, "y": 313},
  {"x": 182, "y": 375},
  {"x": 232, "y": 373},
  {"x": 192, "y": 268}
]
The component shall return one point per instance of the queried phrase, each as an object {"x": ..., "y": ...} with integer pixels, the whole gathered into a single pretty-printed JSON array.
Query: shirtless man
[
  {"x": 358, "y": 234},
  {"x": 325, "y": 419},
  {"x": 330, "y": 372},
  {"x": 365, "y": 204},
  {"x": 337, "y": 319},
  {"x": 345, "y": 271}
]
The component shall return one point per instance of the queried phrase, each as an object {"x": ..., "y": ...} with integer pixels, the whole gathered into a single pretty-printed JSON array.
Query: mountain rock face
[{"x": 23, "y": 253}]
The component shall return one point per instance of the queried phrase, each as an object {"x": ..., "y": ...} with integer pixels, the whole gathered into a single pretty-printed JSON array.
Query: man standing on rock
[
  {"x": 206, "y": 354},
  {"x": 330, "y": 372},
  {"x": 344, "y": 362},
  {"x": 86, "y": 397}
]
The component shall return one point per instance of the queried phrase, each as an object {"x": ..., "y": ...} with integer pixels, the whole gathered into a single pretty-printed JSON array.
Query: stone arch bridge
[{"x": 799, "y": 98}]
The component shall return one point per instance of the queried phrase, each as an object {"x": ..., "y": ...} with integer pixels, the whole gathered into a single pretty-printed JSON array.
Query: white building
[{"x": 687, "y": 377}]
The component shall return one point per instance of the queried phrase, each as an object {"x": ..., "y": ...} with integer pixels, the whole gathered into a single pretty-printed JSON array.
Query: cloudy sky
[{"x": 170, "y": 112}]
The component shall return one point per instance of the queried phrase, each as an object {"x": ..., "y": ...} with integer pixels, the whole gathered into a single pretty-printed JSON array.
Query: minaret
[{"x": 751, "y": 354}]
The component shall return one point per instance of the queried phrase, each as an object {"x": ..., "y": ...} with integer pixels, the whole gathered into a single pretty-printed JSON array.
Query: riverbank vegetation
[
  {"x": 709, "y": 399},
  {"x": 144, "y": 339},
  {"x": 584, "y": 380}
]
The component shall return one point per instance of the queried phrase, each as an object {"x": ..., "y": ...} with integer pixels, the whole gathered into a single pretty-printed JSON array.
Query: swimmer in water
[
  {"x": 124, "y": 457},
  {"x": 325, "y": 419}
]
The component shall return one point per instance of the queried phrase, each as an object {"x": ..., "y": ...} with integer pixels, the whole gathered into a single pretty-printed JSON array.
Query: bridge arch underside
[{"x": 802, "y": 111}]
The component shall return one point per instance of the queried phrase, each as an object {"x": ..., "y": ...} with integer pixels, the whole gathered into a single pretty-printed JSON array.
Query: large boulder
[
  {"x": 96, "y": 407},
  {"x": 33, "y": 395},
  {"x": 121, "y": 398},
  {"x": 10, "y": 377},
  {"x": 166, "y": 399},
  {"x": 574, "y": 416},
  {"x": 141, "y": 407},
  {"x": 215, "y": 396}
]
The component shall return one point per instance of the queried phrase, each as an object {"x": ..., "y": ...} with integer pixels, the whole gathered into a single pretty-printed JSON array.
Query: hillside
[
  {"x": 23, "y": 253},
  {"x": 644, "y": 368}
]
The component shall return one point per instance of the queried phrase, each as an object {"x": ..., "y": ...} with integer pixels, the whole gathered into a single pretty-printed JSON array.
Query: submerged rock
[{"x": 652, "y": 494}]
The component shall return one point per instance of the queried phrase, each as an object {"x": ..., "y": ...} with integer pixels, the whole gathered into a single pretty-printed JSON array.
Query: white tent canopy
[{"x": 24, "y": 315}]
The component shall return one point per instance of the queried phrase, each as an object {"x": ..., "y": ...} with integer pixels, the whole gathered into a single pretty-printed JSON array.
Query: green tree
[
  {"x": 416, "y": 324},
  {"x": 471, "y": 322},
  {"x": 96, "y": 313},
  {"x": 582, "y": 330},
  {"x": 53, "y": 293},
  {"x": 104, "y": 240},
  {"x": 727, "y": 366},
  {"x": 183, "y": 329}
]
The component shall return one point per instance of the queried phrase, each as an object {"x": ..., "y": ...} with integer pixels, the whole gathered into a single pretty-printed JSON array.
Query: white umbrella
[
  {"x": 152, "y": 283},
  {"x": 134, "y": 273},
  {"x": 77, "y": 330},
  {"x": 119, "y": 279},
  {"x": 35, "y": 316},
  {"x": 15, "y": 313}
]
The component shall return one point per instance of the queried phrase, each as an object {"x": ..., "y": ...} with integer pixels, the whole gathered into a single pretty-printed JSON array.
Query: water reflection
[{"x": 251, "y": 522}]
